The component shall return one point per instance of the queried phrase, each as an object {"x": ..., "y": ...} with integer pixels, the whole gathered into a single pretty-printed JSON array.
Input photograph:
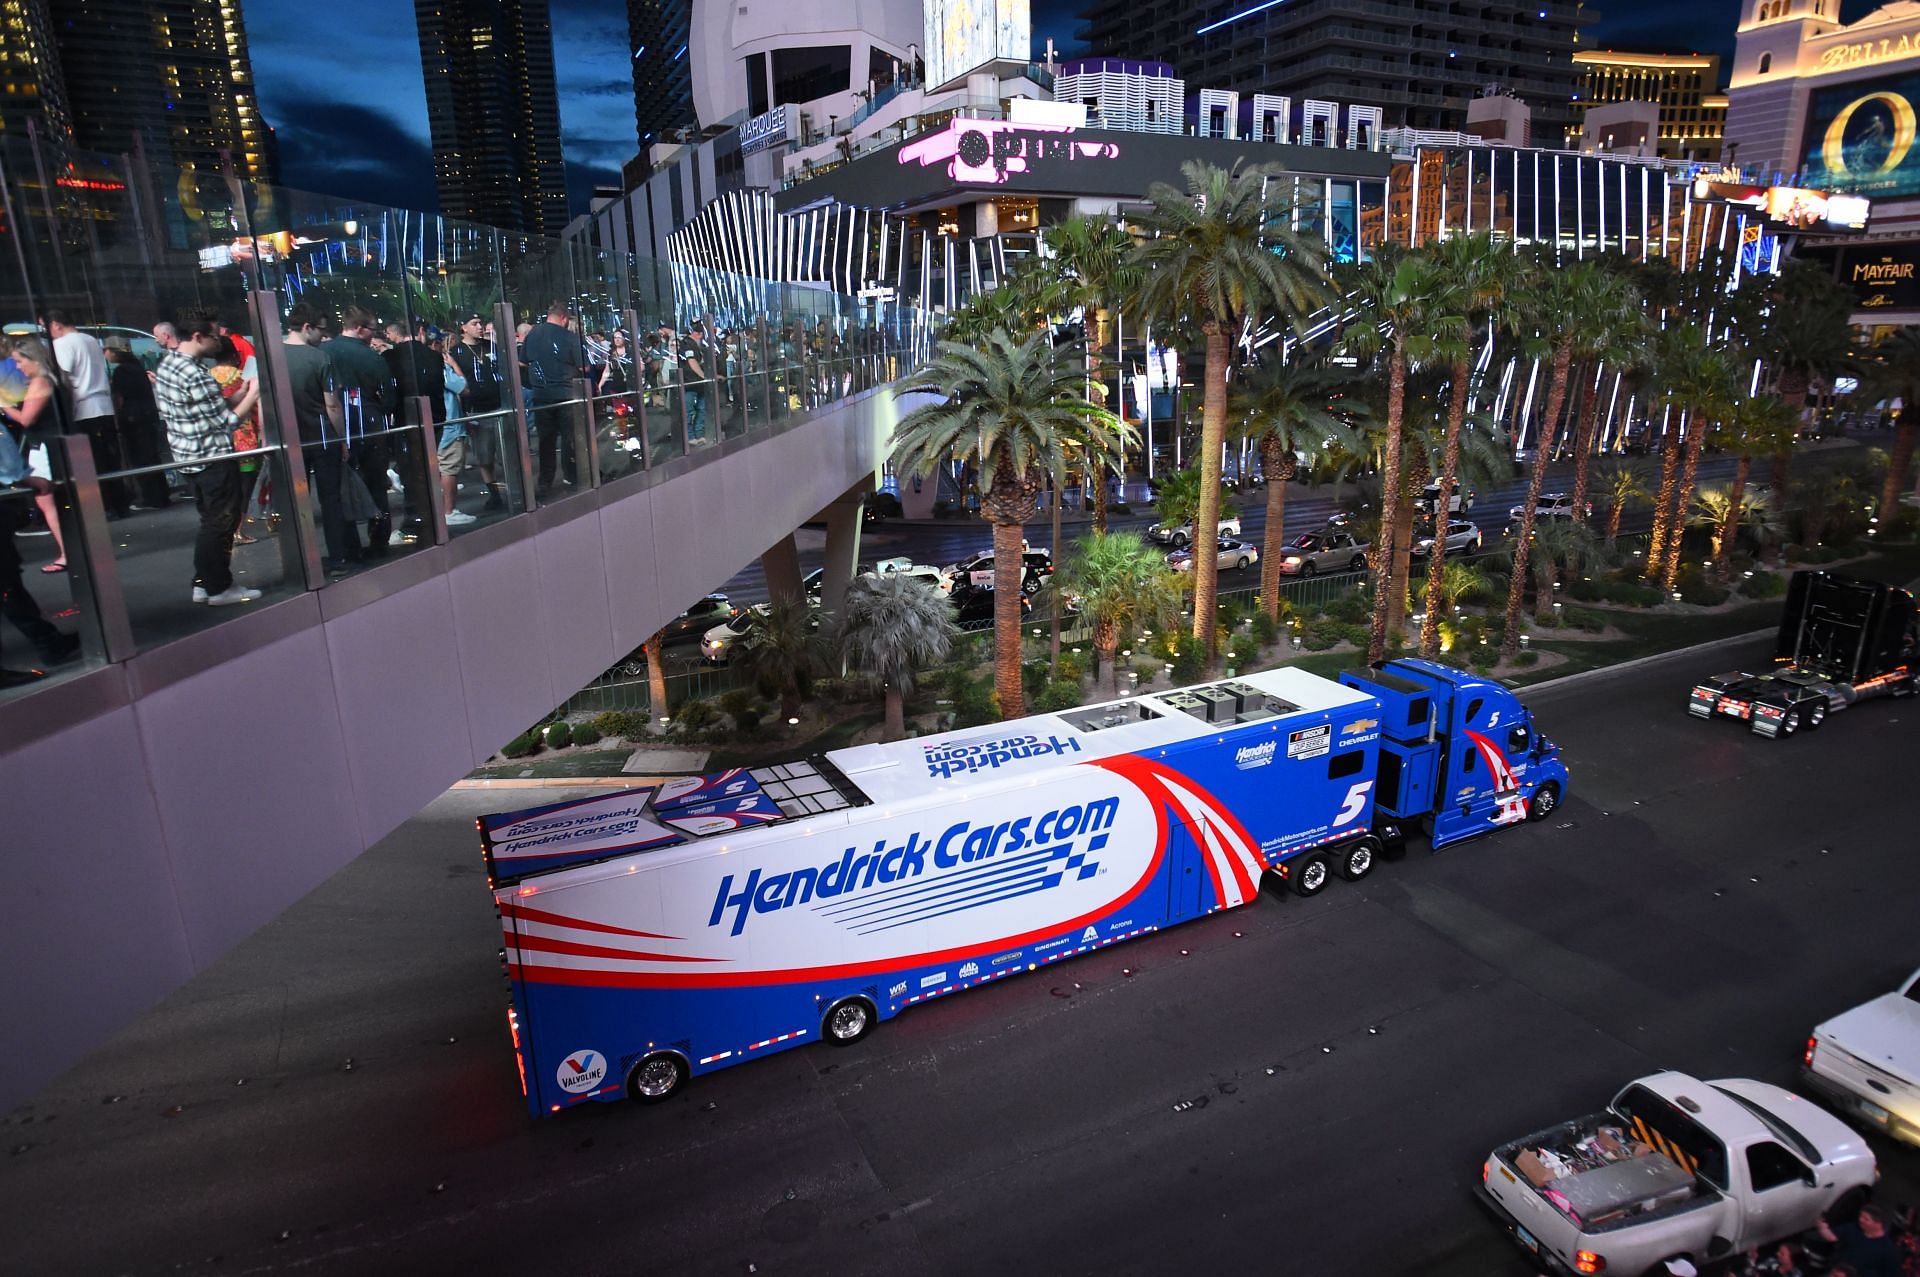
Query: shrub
[
  {"x": 695, "y": 715},
  {"x": 1265, "y": 628},
  {"x": 586, "y": 734},
  {"x": 1242, "y": 652},
  {"x": 1146, "y": 671},
  {"x": 735, "y": 702},
  {"x": 630, "y": 723},
  {"x": 1188, "y": 660},
  {"x": 1073, "y": 667},
  {"x": 976, "y": 703},
  {"x": 1033, "y": 677},
  {"x": 1321, "y": 633},
  {"x": 1585, "y": 618},
  {"x": 746, "y": 719},
  {"x": 559, "y": 736},
  {"x": 519, "y": 747},
  {"x": 1527, "y": 658},
  {"x": 1764, "y": 585},
  {"x": 1059, "y": 694},
  {"x": 1351, "y": 607}
]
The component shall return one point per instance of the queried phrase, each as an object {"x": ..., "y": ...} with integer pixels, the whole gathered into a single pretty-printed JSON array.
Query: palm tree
[
  {"x": 1012, "y": 404},
  {"x": 784, "y": 653},
  {"x": 1018, "y": 306},
  {"x": 1820, "y": 496},
  {"x": 1561, "y": 548},
  {"x": 1758, "y": 426},
  {"x": 1806, "y": 339},
  {"x": 1618, "y": 345},
  {"x": 1458, "y": 582},
  {"x": 1893, "y": 372},
  {"x": 1395, "y": 292},
  {"x": 1294, "y": 412},
  {"x": 1622, "y": 483},
  {"x": 1480, "y": 455},
  {"x": 1694, "y": 379},
  {"x": 1220, "y": 254},
  {"x": 1177, "y": 498},
  {"x": 1122, "y": 582},
  {"x": 1093, "y": 270},
  {"x": 890, "y": 627},
  {"x": 1564, "y": 311},
  {"x": 1723, "y": 511},
  {"x": 1480, "y": 272},
  {"x": 657, "y": 675}
]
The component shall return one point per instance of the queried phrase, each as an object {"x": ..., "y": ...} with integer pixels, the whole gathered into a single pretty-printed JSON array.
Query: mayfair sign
[{"x": 1863, "y": 52}]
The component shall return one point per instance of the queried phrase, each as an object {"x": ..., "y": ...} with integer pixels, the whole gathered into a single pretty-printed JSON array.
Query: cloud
[{"x": 354, "y": 151}]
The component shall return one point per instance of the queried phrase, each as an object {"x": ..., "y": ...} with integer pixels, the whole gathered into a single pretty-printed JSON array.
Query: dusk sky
[{"x": 340, "y": 82}]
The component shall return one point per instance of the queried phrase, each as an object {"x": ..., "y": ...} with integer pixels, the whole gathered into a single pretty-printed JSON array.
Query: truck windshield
[
  {"x": 1781, "y": 1131},
  {"x": 1671, "y": 1131}
]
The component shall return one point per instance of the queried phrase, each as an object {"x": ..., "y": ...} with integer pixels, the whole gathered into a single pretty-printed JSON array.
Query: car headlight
[{"x": 1291, "y": 558}]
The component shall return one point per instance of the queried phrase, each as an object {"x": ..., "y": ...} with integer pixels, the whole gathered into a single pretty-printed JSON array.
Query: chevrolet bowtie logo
[{"x": 1359, "y": 726}]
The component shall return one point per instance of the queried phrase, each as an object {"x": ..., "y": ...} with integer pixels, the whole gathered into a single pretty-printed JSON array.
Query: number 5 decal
[{"x": 1356, "y": 799}]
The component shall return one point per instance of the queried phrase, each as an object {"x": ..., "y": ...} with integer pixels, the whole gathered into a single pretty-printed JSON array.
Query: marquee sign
[
  {"x": 987, "y": 151},
  {"x": 1860, "y": 137}
]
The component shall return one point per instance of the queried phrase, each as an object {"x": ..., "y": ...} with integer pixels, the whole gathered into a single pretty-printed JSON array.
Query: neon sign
[{"x": 989, "y": 150}]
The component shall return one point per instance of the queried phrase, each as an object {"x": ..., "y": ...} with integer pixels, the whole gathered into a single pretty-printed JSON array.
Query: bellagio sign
[{"x": 987, "y": 151}]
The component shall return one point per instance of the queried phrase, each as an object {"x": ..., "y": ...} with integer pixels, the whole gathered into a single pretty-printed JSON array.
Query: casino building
[{"x": 1832, "y": 107}]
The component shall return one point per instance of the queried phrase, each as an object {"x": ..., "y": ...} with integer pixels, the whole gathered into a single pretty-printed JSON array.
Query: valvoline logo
[
  {"x": 581, "y": 1071},
  {"x": 1035, "y": 853}
]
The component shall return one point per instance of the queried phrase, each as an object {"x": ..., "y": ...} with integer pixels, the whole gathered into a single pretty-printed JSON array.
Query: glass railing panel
[
  {"x": 223, "y": 544},
  {"x": 47, "y": 632},
  {"x": 620, "y": 444},
  {"x": 484, "y": 452}
]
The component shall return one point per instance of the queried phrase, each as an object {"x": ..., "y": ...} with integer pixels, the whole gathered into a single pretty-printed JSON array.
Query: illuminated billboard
[
  {"x": 1860, "y": 137},
  {"x": 964, "y": 34}
]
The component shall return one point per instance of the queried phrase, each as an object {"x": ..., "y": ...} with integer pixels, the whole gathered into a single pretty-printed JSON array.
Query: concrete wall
[{"x": 161, "y": 810}]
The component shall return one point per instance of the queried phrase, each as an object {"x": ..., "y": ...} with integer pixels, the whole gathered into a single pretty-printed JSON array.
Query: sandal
[{"x": 51, "y": 569}]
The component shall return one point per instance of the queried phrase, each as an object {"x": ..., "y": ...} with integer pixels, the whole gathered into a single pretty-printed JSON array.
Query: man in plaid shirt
[{"x": 200, "y": 425}]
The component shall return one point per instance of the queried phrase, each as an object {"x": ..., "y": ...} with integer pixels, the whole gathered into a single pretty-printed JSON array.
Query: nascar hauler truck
[
  {"x": 1842, "y": 641},
  {"x": 661, "y": 933}
]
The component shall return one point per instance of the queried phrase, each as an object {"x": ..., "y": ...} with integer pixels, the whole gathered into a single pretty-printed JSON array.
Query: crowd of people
[
  {"x": 1877, "y": 1242},
  {"x": 190, "y": 427}
]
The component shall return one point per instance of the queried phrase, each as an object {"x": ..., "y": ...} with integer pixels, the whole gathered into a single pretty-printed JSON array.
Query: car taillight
[
  {"x": 1812, "y": 1045},
  {"x": 1486, "y": 1169},
  {"x": 1585, "y": 1261}
]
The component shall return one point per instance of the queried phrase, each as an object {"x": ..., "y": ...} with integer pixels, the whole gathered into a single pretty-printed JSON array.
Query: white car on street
[
  {"x": 1233, "y": 554},
  {"x": 1332, "y": 549},
  {"x": 1867, "y": 1061},
  {"x": 1463, "y": 537},
  {"x": 1179, "y": 535}
]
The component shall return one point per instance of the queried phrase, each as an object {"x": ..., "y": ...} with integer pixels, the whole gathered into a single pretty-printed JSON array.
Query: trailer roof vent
[{"x": 1228, "y": 704}]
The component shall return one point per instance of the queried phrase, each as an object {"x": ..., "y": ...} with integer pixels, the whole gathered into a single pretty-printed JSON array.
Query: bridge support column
[
  {"x": 781, "y": 563},
  {"x": 843, "y": 545}
]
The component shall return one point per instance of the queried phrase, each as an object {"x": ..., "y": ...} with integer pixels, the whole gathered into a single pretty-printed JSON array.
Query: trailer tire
[
  {"x": 1358, "y": 858},
  {"x": 1545, "y": 801},
  {"x": 1310, "y": 876},
  {"x": 657, "y": 1077},
  {"x": 1816, "y": 714},
  {"x": 1789, "y": 724},
  {"x": 848, "y": 1020}
]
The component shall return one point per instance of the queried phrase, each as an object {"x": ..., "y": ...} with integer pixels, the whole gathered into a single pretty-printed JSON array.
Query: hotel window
[{"x": 1766, "y": 63}]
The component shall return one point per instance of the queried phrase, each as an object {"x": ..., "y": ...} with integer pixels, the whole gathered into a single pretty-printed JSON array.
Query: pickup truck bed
[{"x": 1598, "y": 1174}]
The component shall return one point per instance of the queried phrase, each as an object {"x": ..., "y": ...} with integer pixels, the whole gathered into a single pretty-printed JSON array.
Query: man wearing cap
[
  {"x": 419, "y": 373},
  {"x": 554, "y": 362}
]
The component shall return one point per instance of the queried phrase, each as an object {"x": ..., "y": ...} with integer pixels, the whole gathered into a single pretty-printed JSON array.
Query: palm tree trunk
[
  {"x": 657, "y": 677},
  {"x": 1006, "y": 619},
  {"x": 1206, "y": 524},
  {"x": 1106, "y": 647},
  {"x": 1099, "y": 502},
  {"x": 1613, "y": 521},
  {"x": 1904, "y": 432},
  {"x": 1402, "y": 558},
  {"x": 1543, "y": 449},
  {"x": 1793, "y": 391},
  {"x": 1730, "y": 524},
  {"x": 1443, "y": 509},
  {"x": 1696, "y": 444},
  {"x": 1583, "y": 436},
  {"x": 1663, "y": 502},
  {"x": 1277, "y": 464},
  {"x": 1389, "y": 505},
  {"x": 1053, "y": 596},
  {"x": 896, "y": 712}
]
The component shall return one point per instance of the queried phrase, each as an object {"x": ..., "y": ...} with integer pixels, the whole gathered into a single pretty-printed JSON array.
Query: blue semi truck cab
[{"x": 1459, "y": 756}]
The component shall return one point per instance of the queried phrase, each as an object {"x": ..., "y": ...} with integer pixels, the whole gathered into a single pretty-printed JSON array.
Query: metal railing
[{"x": 324, "y": 500}]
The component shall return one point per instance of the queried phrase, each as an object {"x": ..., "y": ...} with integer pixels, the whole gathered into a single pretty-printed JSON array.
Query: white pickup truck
[
  {"x": 1867, "y": 1060},
  {"x": 1675, "y": 1168}
]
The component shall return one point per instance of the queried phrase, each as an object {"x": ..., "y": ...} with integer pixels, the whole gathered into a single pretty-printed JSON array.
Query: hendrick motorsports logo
[
  {"x": 581, "y": 1071},
  {"x": 965, "y": 757},
  {"x": 1251, "y": 756}
]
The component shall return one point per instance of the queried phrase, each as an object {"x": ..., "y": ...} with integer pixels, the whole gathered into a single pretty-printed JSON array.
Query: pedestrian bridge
[{"x": 199, "y": 770}]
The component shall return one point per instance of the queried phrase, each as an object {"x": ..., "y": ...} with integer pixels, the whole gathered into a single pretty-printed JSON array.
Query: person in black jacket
[
  {"x": 485, "y": 393},
  {"x": 418, "y": 372},
  {"x": 555, "y": 364}
]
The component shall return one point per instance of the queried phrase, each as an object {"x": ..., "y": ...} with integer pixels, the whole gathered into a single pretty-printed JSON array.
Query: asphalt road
[{"x": 1297, "y": 1087}]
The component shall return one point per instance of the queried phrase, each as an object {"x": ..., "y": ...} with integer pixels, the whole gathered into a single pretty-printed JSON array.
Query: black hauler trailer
[{"x": 1842, "y": 640}]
